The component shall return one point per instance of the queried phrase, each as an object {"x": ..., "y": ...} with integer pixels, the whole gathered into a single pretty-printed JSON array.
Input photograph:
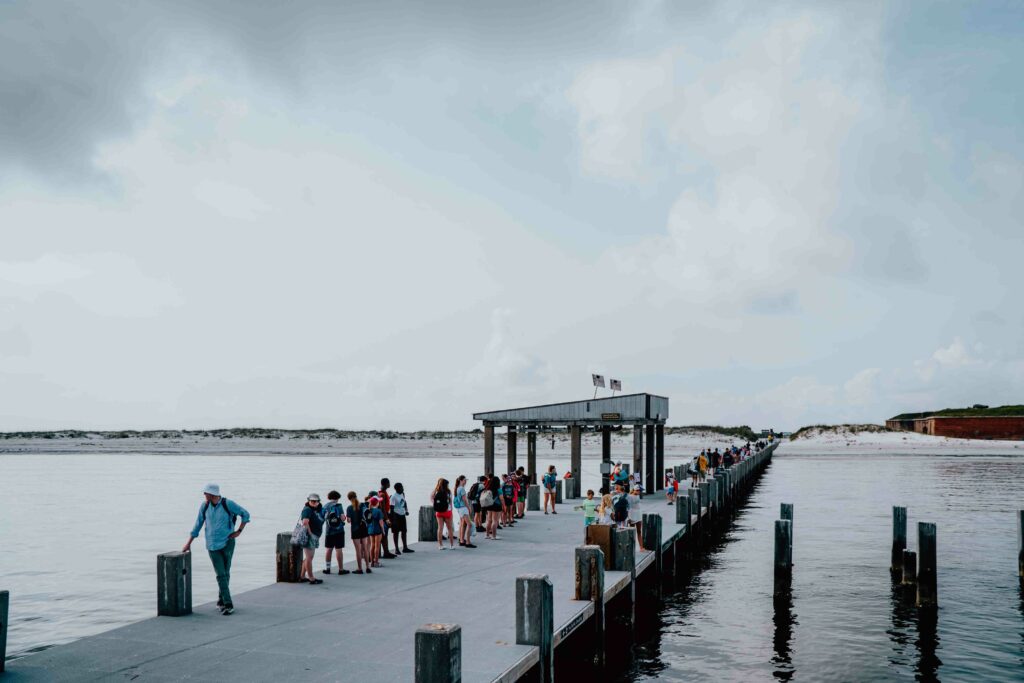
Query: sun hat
[
  {"x": 313, "y": 496},
  {"x": 212, "y": 489}
]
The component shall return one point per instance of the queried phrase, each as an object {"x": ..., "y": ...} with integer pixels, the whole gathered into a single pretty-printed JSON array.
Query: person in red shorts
[{"x": 442, "y": 497}]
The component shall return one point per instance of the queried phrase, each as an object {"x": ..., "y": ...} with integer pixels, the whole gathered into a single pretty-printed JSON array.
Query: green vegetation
[
  {"x": 814, "y": 430},
  {"x": 739, "y": 432},
  {"x": 974, "y": 411}
]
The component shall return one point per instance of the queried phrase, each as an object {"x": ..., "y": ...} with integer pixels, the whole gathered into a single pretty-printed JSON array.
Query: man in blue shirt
[{"x": 219, "y": 514}]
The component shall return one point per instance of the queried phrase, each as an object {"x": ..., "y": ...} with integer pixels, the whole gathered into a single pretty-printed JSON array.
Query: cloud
[{"x": 505, "y": 366}]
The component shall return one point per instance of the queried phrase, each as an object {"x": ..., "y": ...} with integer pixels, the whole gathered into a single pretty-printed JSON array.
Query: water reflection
[
  {"x": 784, "y": 621},
  {"x": 927, "y": 643}
]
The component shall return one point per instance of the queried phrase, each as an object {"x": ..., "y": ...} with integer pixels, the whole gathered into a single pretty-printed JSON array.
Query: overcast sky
[{"x": 391, "y": 215}]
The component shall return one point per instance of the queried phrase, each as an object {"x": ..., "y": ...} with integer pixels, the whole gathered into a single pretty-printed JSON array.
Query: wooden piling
[
  {"x": 174, "y": 584},
  {"x": 535, "y": 619},
  {"x": 289, "y": 559},
  {"x": 558, "y": 491},
  {"x": 899, "y": 539},
  {"x": 625, "y": 561},
  {"x": 533, "y": 498},
  {"x": 783, "y": 556},
  {"x": 603, "y": 536},
  {"x": 786, "y": 512},
  {"x": 1020, "y": 546},
  {"x": 439, "y": 653},
  {"x": 652, "y": 541},
  {"x": 927, "y": 594},
  {"x": 428, "y": 525},
  {"x": 590, "y": 586},
  {"x": 5, "y": 607},
  {"x": 683, "y": 511},
  {"x": 908, "y": 568}
]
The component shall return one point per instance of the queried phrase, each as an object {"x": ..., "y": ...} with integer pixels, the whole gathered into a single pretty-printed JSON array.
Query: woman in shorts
[
  {"x": 442, "y": 497},
  {"x": 313, "y": 521},
  {"x": 357, "y": 521},
  {"x": 375, "y": 529},
  {"x": 494, "y": 509},
  {"x": 462, "y": 510},
  {"x": 399, "y": 511}
]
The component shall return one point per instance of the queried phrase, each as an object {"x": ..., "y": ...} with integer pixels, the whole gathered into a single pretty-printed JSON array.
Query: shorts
[
  {"x": 447, "y": 514},
  {"x": 314, "y": 542},
  {"x": 398, "y": 523},
  {"x": 463, "y": 512},
  {"x": 508, "y": 502},
  {"x": 359, "y": 533},
  {"x": 587, "y": 521},
  {"x": 476, "y": 507},
  {"x": 334, "y": 541},
  {"x": 497, "y": 506}
]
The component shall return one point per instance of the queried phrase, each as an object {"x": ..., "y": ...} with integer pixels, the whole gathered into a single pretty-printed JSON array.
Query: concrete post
[
  {"x": 602, "y": 536},
  {"x": 428, "y": 524},
  {"x": 786, "y": 512},
  {"x": 908, "y": 567},
  {"x": 705, "y": 494},
  {"x": 899, "y": 539},
  {"x": 289, "y": 559},
  {"x": 558, "y": 490},
  {"x": 683, "y": 513},
  {"x": 5, "y": 607},
  {"x": 652, "y": 540},
  {"x": 783, "y": 556},
  {"x": 174, "y": 584},
  {"x": 575, "y": 460},
  {"x": 651, "y": 466},
  {"x": 638, "y": 450},
  {"x": 533, "y": 498},
  {"x": 511, "y": 453},
  {"x": 590, "y": 586},
  {"x": 535, "y": 619},
  {"x": 659, "y": 454},
  {"x": 606, "y": 457},
  {"x": 489, "y": 449},
  {"x": 531, "y": 456},
  {"x": 439, "y": 653},
  {"x": 926, "y": 565}
]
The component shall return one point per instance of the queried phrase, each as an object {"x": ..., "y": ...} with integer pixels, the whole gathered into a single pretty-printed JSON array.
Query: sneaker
[
  {"x": 228, "y": 609},
  {"x": 408, "y": 550},
  {"x": 369, "y": 571},
  {"x": 342, "y": 572},
  {"x": 481, "y": 528},
  {"x": 441, "y": 547},
  {"x": 470, "y": 545},
  {"x": 315, "y": 582},
  {"x": 389, "y": 556},
  {"x": 461, "y": 544},
  {"x": 220, "y": 604},
  {"x": 327, "y": 571}
]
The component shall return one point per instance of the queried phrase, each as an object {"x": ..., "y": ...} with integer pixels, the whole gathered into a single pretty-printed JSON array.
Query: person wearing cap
[
  {"x": 312, "y": 518},
  {"x": 218, "y": 515}
]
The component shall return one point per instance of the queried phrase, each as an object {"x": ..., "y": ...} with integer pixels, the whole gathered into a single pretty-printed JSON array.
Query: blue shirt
[{"x": 218, "y": 522}]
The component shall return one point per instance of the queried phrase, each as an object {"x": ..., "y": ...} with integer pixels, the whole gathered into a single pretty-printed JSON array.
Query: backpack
[
  {"x": 367, "y": 514},
  {"x": 549, "y": 481},
  {"x": 333, "y": 518},
  {"x": 224, "y": 504},
  {"x": 621, "y": 507},
  {"x": 440, "y": 501},
  {"x": 474, "y": 493},
  {"x": 487, "y": 498}
]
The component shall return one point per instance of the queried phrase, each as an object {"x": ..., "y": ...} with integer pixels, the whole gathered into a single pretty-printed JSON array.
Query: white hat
[{"x": 212, "y": 489}]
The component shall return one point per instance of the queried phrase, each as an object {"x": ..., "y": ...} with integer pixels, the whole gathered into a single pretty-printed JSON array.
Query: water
[
  {"x": 80, "y": 534},
  {"x": 844, "y": 621}
]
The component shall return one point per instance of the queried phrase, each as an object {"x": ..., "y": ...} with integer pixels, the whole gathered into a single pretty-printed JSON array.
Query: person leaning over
[{"x": 218, "y": 515}]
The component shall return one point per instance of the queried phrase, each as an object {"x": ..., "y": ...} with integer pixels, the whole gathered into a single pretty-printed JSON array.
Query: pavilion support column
[
  {"x": 511, "y": 448},
  {"x": 489, "y": 449},
  {"x": 575, "y": 461},
  {"x": 659, "y": 451},
  {"x": 638, "y": 449},
  {"x": 651, "y": 469},
  {"x": 606, "y": 458},
  {"x": 531, "y": 456}
]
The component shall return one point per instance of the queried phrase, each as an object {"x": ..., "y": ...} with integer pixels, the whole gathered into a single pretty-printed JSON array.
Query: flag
[
  {"x": 616, "y": 385},
  {"x": 598, "y": 380}
]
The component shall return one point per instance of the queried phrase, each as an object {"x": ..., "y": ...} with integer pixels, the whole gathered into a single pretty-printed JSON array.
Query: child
[
  {"x": 376, "y": 528},
  {"x": 334, "y": 524},
  {"x": 604, "y": 510},
  {"x": 670, "y": 487},
  {"x": 589, "y": 508}
]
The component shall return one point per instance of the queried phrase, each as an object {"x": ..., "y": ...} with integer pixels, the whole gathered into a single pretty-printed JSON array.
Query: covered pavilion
[{"x": 644, "y": 412}]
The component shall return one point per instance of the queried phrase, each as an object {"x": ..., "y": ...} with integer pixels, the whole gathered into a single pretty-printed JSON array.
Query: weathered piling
[
  {"x": 927, "y": 593},
  {"x": 694, "y": 495},
  {"x": 533, "y": 498},
  {"x": 705, "y": 495},
  {"x": 174, "y": 584},
  {"x": 713, "y": 507},
  {"x": 652, "y": 541},
  {"x": 535, "y": 619},
  {"x": 786, "y": 512},
  {"x": 908, "y": 568},
  {"x": 625, "y": 561},
  {"x": 5, "y": 607},
  {"x": 603, "y": 536},
  {"x": 683, "y": 512},
  {"x": 289, "y": 559},
  {"x": 1020, "y": 546},
  {"x": 439, "y": 653},
  {"x": 558, "y": 491},
  {"x": 590, "y": 586},
  {"x": 428, "y": 524},
  {"x": 783, "y": 556},
  {"x": 899, "y": 539}
]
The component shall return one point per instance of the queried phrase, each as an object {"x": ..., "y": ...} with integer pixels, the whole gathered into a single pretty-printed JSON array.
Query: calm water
[
  {"x": 81, "y": 532},
  {"x": 844, "y": 621}
]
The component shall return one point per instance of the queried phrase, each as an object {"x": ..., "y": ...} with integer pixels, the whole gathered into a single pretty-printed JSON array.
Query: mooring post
[
  {"x": 625, "y": 561},
  {"x": 783, "y": 556},
  {"x": 683, "y": 512},
  {"x": 652, "y": 542},
  {"x": 1020, "y": 546},
  {"x": 531, "y": 454},
  {"x": 899, "y": 539},
  {"x": 590, "y": 586},
  {"x": 174, "y": 584},
  {"x": 289, "y": 559},
  {"x": 908, "y": 567},
  {"x": 558, "y": 491},
  {"x": 786, "y": 512},
  {"x": 705, "y": 495},
  {"x": 439, "y": 653},
  {"x": 533, "y": 498},
  {"x": 926, "y": 565},
  {"x": 5, "y": 607},
  {"x": 428, "y": 524},
  {"x": 535, "y": 619},
  {"x": 603, "y": 536}
]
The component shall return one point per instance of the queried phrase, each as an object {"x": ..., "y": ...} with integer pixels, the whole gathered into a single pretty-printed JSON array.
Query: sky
[{"x": 395, "y": 214}]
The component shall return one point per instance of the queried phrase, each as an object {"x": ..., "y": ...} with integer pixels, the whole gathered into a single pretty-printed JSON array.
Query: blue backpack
[{"x": 549, "y": 480}]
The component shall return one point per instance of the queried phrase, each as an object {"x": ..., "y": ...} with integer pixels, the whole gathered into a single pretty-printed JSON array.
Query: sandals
[
  {"x": 358, "y": 571},
  {"x": 315, "y": 582}
]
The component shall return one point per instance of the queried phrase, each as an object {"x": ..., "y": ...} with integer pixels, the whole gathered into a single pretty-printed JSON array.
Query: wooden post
[
  {"x": 659, "y": 454},
  {"x": 926, "y": 568},
  {"x": 783, "y": 556},
  {"x": 535, "y": 619},
  {"x": 439, "y": 653},
  {"x": 531, "y": 456},
  {"x": 575, "y": 461},
  {"x": 786, "y": 512},
  {"x": 289, "y": 559},
  {"x": 625, "y": 561},
  {"x": 1020, "y": 546},
  {"x": 489, "y": 449},
  {"x": 590, "y": 586},
  {"x": 606, "y": 457},
  {"x": 174, "y": 584},
  {"x": 650, "y": 466},
  {"x": 5, "y": 607},
  {"x": 638, "y": 450},
  {"x": 558, "y": 490},
  {"x": 533, "y": 498},
  {"x": 428, "y": 524},
  {"x": 899, "y": 539},
  {"x": 683, "y": 512},
  {"x": 602, "y": 536},
  {"x": 908, "y": 568},
  {"x": 652, "y": 541},
  {"x": 511, "y": 452}
]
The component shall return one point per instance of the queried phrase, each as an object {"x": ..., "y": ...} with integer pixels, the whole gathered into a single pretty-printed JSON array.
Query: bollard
[
  {"x": 289, "y": 559},
  {"x": 683, "y": 512},
  {"x": 705, "y": 497},
  {"x": 590, "y": 586},
  {"x": 535, "y": 619},
  {"x": 908, "y": 567},
  {"x": 899, "y": 539},
  {"x": 174, "y": 584},
  {"x": 625, "y": 561},
  {"x": 786, "y": 512},
  {"x": 5, "y": 606},
  {"x": 926, "y": 565},
  {"x": 652, "y": 542},
  {"x": 1020, "y": 546},
  {"x": 558, "y": 491},
  {"x": 428, "y": 524},
  {"x": 713, "y": 496},
  {"x": 783, "y": 556},
  {"x": 439, "y": 653},
  {"x": 533, "y": 498},
  {"x": 603, "y": 536}
]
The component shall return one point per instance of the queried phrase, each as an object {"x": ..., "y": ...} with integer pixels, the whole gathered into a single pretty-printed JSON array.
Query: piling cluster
[{"x": 916, "y": 571}]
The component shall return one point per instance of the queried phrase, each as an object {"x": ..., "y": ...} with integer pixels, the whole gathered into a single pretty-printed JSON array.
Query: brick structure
[{"x": 964, "y": 427}]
